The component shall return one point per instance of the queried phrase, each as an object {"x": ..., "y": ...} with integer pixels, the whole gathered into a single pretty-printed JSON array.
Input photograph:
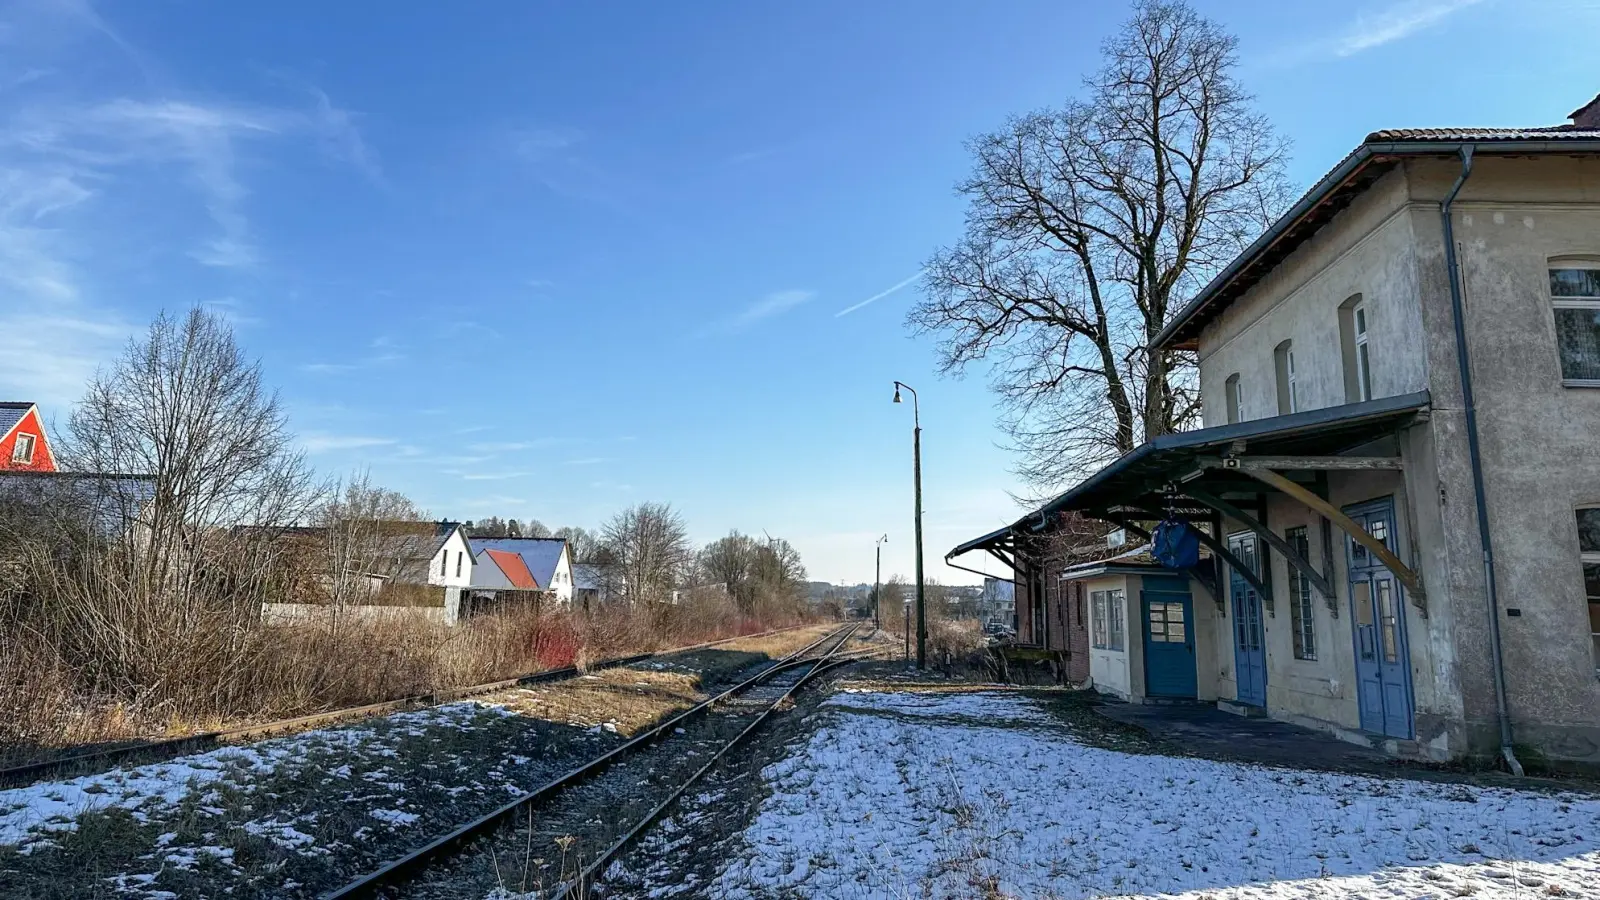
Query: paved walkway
[{"x": 1208, "y": 731}]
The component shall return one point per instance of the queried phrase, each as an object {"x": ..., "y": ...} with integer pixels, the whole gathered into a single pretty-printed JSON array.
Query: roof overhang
[
  {"x": 1096, "y": 570},
  {"x": 1003, "y": 539},
  {"x": 1326, "y": 199},
  {"x": 1139, "y": 478}
]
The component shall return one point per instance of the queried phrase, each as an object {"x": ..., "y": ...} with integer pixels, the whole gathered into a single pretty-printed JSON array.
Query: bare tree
[
  {"x": 651, "y": 546},
  {"x": 370, "y": 537},
  {"x": 762, "y": 575},
  {"x": 1085, "y": 224},
  {"x": 186, "y": 409},
  {"x": 582, "y": 543},
  {"x": 729, "y": 560}
]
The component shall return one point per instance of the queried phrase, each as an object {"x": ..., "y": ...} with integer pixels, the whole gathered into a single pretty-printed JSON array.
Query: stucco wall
[
  {"x": 1540, "y": 440},
  {"x": 1367, "y": 251}
]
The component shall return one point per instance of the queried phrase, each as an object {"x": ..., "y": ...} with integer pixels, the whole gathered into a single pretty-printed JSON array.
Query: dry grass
[
  {"x": 627, "y": 700},
  {"x": 280, "y": 671}
]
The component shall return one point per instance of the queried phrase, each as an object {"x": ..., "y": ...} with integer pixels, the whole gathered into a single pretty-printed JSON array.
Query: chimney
[{"x": 1587, "y": 115}]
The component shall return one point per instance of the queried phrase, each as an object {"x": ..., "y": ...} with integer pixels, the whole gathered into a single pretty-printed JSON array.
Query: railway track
[
  {"x": 557, "y": 840},
  {"x": 150, "y": 751}
]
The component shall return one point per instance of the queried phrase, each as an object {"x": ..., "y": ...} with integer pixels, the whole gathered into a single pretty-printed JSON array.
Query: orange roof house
[
  {"x": 23, "y": 445},
  {"x": 509, "y": 572}
]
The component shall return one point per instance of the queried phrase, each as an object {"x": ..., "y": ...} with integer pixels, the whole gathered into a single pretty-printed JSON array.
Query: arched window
[
  {"x": 1288, "y": 386},
  {"x": 1354, "y": 329},
  {"x": 1233, "y": 399}
]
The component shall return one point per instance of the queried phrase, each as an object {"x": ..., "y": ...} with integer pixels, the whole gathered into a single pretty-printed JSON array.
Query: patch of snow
[
  {"x": 948, "y": 796},
  {"x": 393, "y": 817},
  {"x": 284, "y": 834}
]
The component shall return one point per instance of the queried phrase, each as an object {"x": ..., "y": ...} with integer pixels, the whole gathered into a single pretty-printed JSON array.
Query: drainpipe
[{"x": 1476, "y": 457}]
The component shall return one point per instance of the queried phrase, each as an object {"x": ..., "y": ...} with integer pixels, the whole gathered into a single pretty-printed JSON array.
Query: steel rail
[
  {"x": 578, "y": 886},
  {"x": 398, "y": 870},
  {"x": 209, "y": 740}
]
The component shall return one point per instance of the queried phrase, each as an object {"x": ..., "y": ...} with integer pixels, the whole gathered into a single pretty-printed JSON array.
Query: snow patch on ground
[
  {"x": 29, "y": 814},
  {"x": 392, "y": 817},
  {"x": 952, "y": 795}
]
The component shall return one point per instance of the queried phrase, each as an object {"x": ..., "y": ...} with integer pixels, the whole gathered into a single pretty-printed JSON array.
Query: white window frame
[
  {"x": 1585, "y": 303},
  {"x": 1288, "y": 398},
  {"x": 1361, "y": 326},
  {"x": 1233, "y": 400},
  {"x": 1098, "y": 631},
  {"x": 1294, "y": 384},
  {"x": 17, "y": 456},
  {"x": 1117, "y": 627}
]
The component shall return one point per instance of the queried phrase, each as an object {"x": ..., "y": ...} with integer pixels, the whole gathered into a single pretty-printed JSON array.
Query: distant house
[
  {"x": 997, "y": 604},
  {"x": 449, "y": 565},
  {"x": 546, "y": 561},
  {"x": 590, "y": 584},
  {"x": 23, "y": 444}
]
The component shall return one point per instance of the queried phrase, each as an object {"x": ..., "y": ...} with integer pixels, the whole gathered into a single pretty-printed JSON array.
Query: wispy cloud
[
  {"x": 493, "y": 476},
  {"x": 512, "y": 446},
  {"x": 589, "y": 461},
  {"x": 899, "y": 285},
  {"x": 770, "y": 306},
  {"x": 1374, "y": 27},
  {"x": 382, "y": 351},
  {"x": 49, "y": 358},
  {"x": 318, "y": 442},
  {"x": 233, "y": 311},
  {"x": 1397, "y": 22},
  {"x": 205, "y": 139}
]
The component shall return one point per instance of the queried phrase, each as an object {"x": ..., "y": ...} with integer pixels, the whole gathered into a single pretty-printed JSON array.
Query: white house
[
  {"x": 548, "y": 563},
  {"x": 450, "y": 566}
]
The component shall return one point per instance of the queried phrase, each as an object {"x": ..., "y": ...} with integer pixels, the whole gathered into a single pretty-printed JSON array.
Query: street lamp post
[
  {"x": 877, "y": 583},
  {"x": 916, "y": 477}
]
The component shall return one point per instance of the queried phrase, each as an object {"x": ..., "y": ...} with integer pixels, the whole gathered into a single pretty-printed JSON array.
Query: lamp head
[{"x": 897, "y": 392}]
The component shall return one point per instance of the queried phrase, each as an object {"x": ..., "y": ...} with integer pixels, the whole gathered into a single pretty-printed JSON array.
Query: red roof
[{"x": 516, "y": 570}]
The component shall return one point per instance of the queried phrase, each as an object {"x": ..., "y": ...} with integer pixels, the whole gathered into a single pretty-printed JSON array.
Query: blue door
[
  {"x": 1249, "y": 644},
  {"x": 1378, "y": 615},
  {"x": 1169, "y": 669}
]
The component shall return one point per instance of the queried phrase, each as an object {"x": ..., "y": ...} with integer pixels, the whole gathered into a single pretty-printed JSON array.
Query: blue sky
[{"x": 540, "y": 260}]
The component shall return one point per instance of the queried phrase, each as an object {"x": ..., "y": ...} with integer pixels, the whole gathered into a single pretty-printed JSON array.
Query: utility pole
[
  {"x": 877, "y": 583},
  {"x": 916, "y": 475}
]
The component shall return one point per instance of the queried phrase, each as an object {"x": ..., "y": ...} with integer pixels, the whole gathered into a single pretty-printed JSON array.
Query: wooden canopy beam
[
  {"x": 1403, "y": 573},
  {"x": 1266, "y": 534},
  {"x": 1304, "y": 463}
]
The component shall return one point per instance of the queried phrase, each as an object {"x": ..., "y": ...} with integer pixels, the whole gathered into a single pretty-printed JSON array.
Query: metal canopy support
[
  {"x": 1402, "y": 572},
  {"x": 997, "y": 554},
  {"x": 1304, "y": 463},
  {"x": 1277, "y": 543}
]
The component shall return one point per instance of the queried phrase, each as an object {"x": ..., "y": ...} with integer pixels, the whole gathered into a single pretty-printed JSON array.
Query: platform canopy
[{"x": 1205, "y": 475}]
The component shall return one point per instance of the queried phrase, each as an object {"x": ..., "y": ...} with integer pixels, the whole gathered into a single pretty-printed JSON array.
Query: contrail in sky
[{"x": 878, "y": 296}]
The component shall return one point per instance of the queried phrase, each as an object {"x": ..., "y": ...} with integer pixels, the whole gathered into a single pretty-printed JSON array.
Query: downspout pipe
[{"x": 1475, "y": 455}]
